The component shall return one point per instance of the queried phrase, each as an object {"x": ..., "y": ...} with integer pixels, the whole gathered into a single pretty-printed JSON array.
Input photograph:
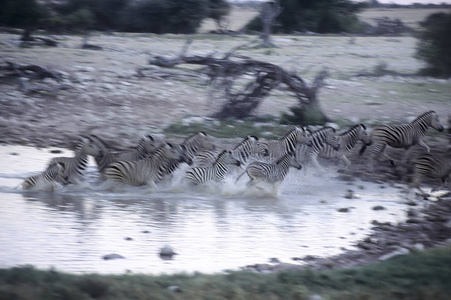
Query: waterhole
[{"x": 222, "y": 228}]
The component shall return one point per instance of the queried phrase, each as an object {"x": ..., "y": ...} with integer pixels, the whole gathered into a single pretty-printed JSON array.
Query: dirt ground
[{"x": 105, "y": 96}]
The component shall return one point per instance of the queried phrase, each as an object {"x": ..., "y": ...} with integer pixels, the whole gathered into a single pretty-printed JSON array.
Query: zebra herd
[{"x": 154, "y": 160}]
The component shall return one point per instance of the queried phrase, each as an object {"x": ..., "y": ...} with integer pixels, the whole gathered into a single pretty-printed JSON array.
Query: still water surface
[{"x": 72, "y": 228}]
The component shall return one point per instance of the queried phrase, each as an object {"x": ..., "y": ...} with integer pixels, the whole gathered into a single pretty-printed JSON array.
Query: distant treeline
[{"x": 157, "y": 16}]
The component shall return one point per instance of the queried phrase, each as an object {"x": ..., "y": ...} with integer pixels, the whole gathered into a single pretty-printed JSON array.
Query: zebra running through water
[
  {"x": 319, "y": 138},
  {"x": 293, "y": 138},
  {"x": 149, "y": 170},
  {"x": 215, "y": 173},
  {"x": 46, "y": 181},
  {"x": 248, "y": 148},
  {"x": 402, "y": 136},
  {"x": 432, "y": 165},
  {"x": 272, "y": 173},
  {"x": 75, "y": 167},
  {"x": 347, "y": 141},
  {"x": 146, "y": 145}
]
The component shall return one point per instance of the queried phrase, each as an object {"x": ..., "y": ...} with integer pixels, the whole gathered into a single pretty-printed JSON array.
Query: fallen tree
[{"x": 245, "y": 82}]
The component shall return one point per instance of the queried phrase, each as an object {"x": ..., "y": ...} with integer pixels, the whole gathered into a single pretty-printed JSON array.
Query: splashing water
[{"x": 212, "y": 228}]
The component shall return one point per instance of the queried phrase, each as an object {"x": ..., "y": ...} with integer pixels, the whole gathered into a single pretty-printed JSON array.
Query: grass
[{"x": 420, "y": 275}]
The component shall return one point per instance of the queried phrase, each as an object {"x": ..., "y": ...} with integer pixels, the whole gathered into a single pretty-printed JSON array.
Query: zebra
[
  {"x": 148, "y": 170},
  {"x": 294, "y": 137},
  {"x": 347, "y": 141},
  {"x": 402, "y": 136},
  {"x": 46, "y": 181},
  {"x": 319, "y": 138},
  {"x": 245, "y": 150},
  {"x": 106, "y": 156},
  {"x": 433, "y": 165},
  {"x": 215, "y": 173},
  {"x": 192, "y": 145},
  {"x": 76, "y": 166},
  {"x": 197, "y": 142},
  {"x": 273, "y": 173}
]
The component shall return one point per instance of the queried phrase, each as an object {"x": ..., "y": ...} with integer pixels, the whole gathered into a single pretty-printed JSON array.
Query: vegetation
[
  {"x": 434, "y": 45},
  {"x": 421, "y": 275},
  {"x": 321, "y": 16}
]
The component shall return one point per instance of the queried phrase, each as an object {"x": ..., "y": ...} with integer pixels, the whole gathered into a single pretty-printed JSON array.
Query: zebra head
[
  {"x": 148, "y": 144},
  {"x": 435, "y": 122},
  {"x": 363, "y": 135},
  {"x": 330, "y": 138},
  {"x": 303, "y": 136},
  {"x": 226, "y": 158},
  {"x": 57, "y": 172},
  {"x": 90, "y": 147},
  {"x": 179, "y": 153}
]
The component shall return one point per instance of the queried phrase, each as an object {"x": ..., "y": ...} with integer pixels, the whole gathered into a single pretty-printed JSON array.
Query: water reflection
[{"x": 73, "y": 228}]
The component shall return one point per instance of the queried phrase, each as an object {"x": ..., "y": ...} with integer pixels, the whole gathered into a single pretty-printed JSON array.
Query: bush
[
  {"x": 321, "y": 16},
  {"x": 434, "y": 46}
]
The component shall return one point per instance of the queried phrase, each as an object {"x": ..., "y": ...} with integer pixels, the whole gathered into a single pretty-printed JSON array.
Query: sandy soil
[{"x": 101, "y": 92}]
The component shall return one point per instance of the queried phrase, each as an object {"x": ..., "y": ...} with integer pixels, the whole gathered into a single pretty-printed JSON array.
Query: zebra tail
[{"x": 238, "y": 178}]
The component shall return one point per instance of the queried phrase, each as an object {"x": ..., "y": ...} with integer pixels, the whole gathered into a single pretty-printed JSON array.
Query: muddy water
[{"x": 214, "y": 229}]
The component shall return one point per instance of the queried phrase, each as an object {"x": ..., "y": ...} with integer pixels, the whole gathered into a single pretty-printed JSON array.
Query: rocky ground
[{"x": 107, "y": 96}]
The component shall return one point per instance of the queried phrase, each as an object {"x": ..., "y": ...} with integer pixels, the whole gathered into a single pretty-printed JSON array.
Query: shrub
[{"x": 434, "y": 46}]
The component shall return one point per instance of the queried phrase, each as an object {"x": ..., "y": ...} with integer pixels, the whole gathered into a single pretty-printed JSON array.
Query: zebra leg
[
  {"x": 344, "y": 159},
  {"x": 423, "y": 144}
]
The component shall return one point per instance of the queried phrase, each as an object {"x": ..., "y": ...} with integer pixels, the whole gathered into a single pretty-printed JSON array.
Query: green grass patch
[
  {"x": 421, "y": 275},
  {"x": 266, "y": 126}
]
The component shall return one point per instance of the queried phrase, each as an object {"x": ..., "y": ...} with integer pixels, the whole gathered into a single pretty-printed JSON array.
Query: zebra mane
[
  {"x": 220, "y": 155},
  {"x": 292, "y": 131},
  {"x": 98, "y": 141},
  {"x": 326, "y": 128},
  {"x": 194, "y": 136},
  {"x": 284, "y": 157},
  {"x": 423, "y": 116},
  {"x": 245, "y": 141},
  {"x": 353, "y": 128}
]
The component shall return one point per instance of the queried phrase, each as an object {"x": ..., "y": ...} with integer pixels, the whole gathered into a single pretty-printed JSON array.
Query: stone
[
  {"x": 113, "y": 256},
  {"x": 400, "y": 251}
]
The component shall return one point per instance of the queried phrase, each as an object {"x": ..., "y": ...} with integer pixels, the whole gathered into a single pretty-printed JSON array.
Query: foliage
[
  {"x": 421, "y": 275},
  {"x": 165, "y": 16},
  {"x": 434, "y": 45},
  {"x": 21, "y": 13},
  {"x": 321, "y": 16}
]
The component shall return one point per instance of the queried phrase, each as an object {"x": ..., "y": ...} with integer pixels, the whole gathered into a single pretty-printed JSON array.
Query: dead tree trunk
[
  {"x": 268, "y": 14},
  {"x": 246, "y": 82}
]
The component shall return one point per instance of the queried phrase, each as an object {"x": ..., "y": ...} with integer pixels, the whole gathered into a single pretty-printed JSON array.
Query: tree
[
  {"x": 322, "y": 16},
  {"x": 268, "y": 14},
  {"x": 245, "y": 82},
  {"x": 21, "y": 13},
  {"x": 434, "y": 46},
  {"x": 218, "y": 10}
]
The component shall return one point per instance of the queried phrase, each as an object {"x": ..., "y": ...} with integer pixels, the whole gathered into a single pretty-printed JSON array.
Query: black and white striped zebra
[
  {"x": 75, "y": 167},
  {"x": 197, "y": 142},
  {"x": 107, "y": 156},
  {"x": 293, "y": 138},
  {"x": 48, "y": 180},
  {"x": 249, "y": 148},
  {"x": 215, "y": 173},
  {"x": 402, "y": 136},
  {"x": 319, "y": 138},
  {"x": 273, "y": 173},
  {"x": 347, "y": 141},
  {"x": 149, "y": 170},
  {"x": 431, "y": 165}
]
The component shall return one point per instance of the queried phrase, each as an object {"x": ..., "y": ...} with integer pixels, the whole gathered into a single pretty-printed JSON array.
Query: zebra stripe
[
  {"x": 270, "y": 172},
  {"x": 347, "y": 141},
  {"x": 75, "y": 167},
  {"x": 319, "y": 138},
  {"x": 46, "y": 180},
  {"x": 288, "y": 143},
  {"x": 432, "y": 165},
  {"x": 107, "y": 156},
  {"x": 248, "y": 148},
  {"x": 148, "y": 170},
  {"x": 216, "y": 172},
  {"x": 402, "y": 136}
]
